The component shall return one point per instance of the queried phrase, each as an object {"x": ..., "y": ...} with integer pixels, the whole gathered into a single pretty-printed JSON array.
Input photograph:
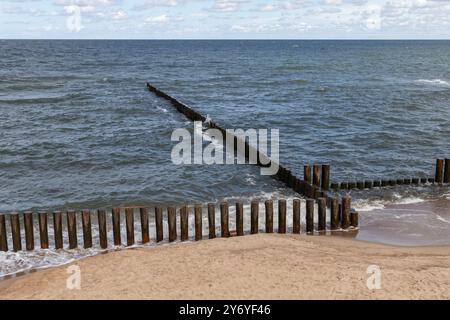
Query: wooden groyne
[{"x": 21, "y": 226}]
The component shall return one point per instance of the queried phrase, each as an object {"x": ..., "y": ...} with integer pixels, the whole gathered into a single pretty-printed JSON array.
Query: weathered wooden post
[
  {"x": 15, "y": 231},
  {"x": 360, "y": 185},
  {"x": 254, "y": 217},
  {"x": 129, "y": 217},
  {"x": 282, "y": 216},
  {"x": 377, "y": 183},
  {"x": 159, "y": 224},
  {"x": 322, "y": 204},
  {"x": 316, "y": 175},
  {"x": 415, "y": 181},
  {"x": 87, "y": 228},
  {"x": 3, "y": 236},
  {"x": 439, "y": 171},
  {"x": 352, "y": 185},
  {"x": 72, "y": 229},
  {"x": 102, "y": 231},
  {"x": 354, "y": 219},
  {"x": 368, "y": 184},
  {"x": 240, "y": 219},
  {"x": 224, "y": 220},
  {"x": 269, "y": 216},
  {"x": 346, "y": 219},
  {"x": 144, "y": 225},
  {"x": 212, "y": 220},
  {"x": 307, "y": 174},
  {"x": 326, "y": 177},
  {"x": 334, "y": 186},
  {"x": 116, "y": 226},
  {"x": 57, "y": 228},
  {"x": 43, "y": 229},
  {"x": 309, "y": 216},
  {"x": 198, "y": 222},
  {"x": 334, "y": 219},
  {"x": 184, "y": 223},
  {"x": 384, "y": 183},
  {"x": 344, "y": 185},
  {"x": 172, "y": 222},
  {"x": 29, "y": 230},
  {"x": 447, "y": 171},
  {"x": 296, "y": 216}
]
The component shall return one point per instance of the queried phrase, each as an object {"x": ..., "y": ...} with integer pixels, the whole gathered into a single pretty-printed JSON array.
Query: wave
[{"x": 438, "y": 82}]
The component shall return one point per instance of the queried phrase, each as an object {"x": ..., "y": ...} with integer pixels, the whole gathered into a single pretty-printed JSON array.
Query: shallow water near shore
[{"x": 78, "y": 129}]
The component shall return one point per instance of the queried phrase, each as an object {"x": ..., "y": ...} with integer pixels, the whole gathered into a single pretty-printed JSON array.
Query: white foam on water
[
  {"x": 438, "y": 82},
  {"x": 442, "y": 219}
]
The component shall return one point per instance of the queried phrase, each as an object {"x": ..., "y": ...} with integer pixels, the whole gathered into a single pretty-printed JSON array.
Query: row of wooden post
[
  {"x": 442, "y": 175},
  {"x": 341, "y": 217}
]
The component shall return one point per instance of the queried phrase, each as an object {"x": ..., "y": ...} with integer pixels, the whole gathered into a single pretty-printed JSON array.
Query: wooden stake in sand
[
  {"x": 15, "y": 231},
  {"x": 224, "y": 220},
  {"x": 57, "y": 228},
  {"x": 296, "y": 216},
  {"x": 184, "y": 223},
  {"x": 269, "y": 216},
  {"x": 254, "y": 217},
  {"x": 334, "y": 220},
  {"x": 309, "y": 216},
  {"x": 102, "y": 231},
  {"x": 129, "y": 217},
  {"x": 43, "y": 229},
  {"x": 322, "y": 204},
  {"x": 282, "y": 216},
  {"x": 326, "y": 177},
  {"x": 29, "y": 230},
  {"x": 72, "y": 229},
  {"x": 172, "y": 223},
  {"x": 159, "y": 224},
  {"x": 198, "y": 222},
  {"x": 447, "y": 171},
  {"x": 240, "y": 219},
  {"x": 3, "y": 236},
  {"x": 316, "y": 175},
  {"x": 439, "y": 171},
  {"x": 144, "y": 225},
  {"x": 212, "y": 220},
  {"x": 116, "y": 226},
  {"x": 87, "y": 228},
  {"x": 346, "y": 205}
]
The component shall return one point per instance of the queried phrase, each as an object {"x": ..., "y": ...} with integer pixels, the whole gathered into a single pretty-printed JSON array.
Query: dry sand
[{"x": 251, "y": 267}]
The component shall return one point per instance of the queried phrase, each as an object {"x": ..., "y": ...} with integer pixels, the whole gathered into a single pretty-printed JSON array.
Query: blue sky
[{"x": 225, "y": 19}]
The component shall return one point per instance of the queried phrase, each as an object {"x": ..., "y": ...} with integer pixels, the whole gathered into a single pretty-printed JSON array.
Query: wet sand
[{"x": 251, "y": 267}]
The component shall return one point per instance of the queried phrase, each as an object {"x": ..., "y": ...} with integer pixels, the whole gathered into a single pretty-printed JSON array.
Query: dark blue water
[{"x": 79, "y": 129}]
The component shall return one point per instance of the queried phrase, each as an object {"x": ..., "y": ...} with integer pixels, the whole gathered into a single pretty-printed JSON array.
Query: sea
[{"x": 79, "y": 129}]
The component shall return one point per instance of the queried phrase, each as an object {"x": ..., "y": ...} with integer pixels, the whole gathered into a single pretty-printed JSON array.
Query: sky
[{"x": 225, "y": 19}]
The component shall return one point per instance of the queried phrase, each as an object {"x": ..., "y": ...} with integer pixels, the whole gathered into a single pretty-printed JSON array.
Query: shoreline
[{"x": 263, "y": 266}]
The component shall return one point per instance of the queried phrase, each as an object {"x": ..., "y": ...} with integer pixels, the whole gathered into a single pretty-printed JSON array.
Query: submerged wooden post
[
  {"x": 159, "y": 224},
  {"x": 198, "y": 222},
  {"x": 224, "y": 220},
  {"x": 184, "y": 223},
  {"x": 344, "y": 185},
  {"x": 116, "y": 226},
  {"x": 334, "y": 219},
  {"x": 57, "y": 228},
  {"x": 447, "y": 171},
  {"x": 15, "y": 231},
  {"x": 282, "y": 216},
  {"x": 144, "y": 225},
  {"x": 172, "y": 222},
  {"x": 3, "y": 236},
  {"x": 254, "y": 217},
  {"x": 360, "y": 185},
  {"x": 325, "y": 177},
  {"x": 72, "y": 229},
  {"x": 316, "y": 175},
  {"x": 43, "y": 229},
  {"x": 368, "y": 184},
  {"x": 269, "y": 216},
  {"x": 29, "y": 230},
  {"x": 87, "y": 228},
  {"x": 310, "y": 216},
  {"x": 307, "y": 174},
  {"x": 377, "y": 183},
  {"x": 102, "y": 231},
  {"x": 129, "y": 217},
  {"x": 240, "y": 219},
  {"x": 296, "y": 216},
  {"x": 439, "y": 171},
  {"x": 346, "y": 220},
  {"x": 212, "y": 220},
  {"x": 322, "y": 204}
]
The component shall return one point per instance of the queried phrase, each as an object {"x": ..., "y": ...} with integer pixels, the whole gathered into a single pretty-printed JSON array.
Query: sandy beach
[{"x": 251, "y": 267}]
